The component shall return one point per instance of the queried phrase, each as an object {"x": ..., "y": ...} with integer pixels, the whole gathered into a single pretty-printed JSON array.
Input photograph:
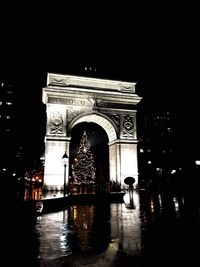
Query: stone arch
[
  {"x": 111, "y": 104},
  {"x": 99, "y": 119}
]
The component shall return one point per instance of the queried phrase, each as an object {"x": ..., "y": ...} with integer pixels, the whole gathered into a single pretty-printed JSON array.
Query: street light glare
[{"x": 197, "y": 162}]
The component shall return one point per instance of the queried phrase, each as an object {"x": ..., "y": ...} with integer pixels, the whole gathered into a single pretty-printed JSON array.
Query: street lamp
[
  {"x": 65, "y": 159},
  {"x": 197, "y": 162}
]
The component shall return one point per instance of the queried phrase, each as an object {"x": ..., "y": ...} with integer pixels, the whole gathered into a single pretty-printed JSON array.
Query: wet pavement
[{"x": 150, "y": 229}]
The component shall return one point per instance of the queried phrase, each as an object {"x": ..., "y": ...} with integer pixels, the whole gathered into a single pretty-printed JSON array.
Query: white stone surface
[{"x": 111, "y": 104}]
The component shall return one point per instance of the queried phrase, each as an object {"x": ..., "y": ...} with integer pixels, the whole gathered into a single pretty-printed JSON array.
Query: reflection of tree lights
[{"x": 152, "y": 205}]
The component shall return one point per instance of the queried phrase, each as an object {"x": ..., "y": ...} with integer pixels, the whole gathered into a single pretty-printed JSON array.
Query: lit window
[
  {"x": 9, "y": 103},
  {"x": 8, "y": 117}
]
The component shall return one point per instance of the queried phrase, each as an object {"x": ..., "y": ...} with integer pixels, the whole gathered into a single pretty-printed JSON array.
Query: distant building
[
  {"x": 157, "y": 150},
  {"x": 89, "y": 69},
  {"x": 10, "y": 148},
  {"x": 7, "y": 107}
]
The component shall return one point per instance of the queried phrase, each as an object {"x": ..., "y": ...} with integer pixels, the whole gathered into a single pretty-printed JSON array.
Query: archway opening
[{"x": 98, "y": 141}]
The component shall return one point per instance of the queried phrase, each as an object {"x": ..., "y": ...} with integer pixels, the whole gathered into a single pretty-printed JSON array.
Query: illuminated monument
[{"x": 112, "y": 105}]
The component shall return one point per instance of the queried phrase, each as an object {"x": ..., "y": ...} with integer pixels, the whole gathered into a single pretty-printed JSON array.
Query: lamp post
[{"x": 65, "y": 161}]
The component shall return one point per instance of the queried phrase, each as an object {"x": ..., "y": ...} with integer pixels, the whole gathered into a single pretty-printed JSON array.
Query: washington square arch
[{"x": 112, "y": 105}]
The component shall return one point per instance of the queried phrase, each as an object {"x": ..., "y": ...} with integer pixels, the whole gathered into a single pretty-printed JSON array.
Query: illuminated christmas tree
[{"x": 83, "y": 170}]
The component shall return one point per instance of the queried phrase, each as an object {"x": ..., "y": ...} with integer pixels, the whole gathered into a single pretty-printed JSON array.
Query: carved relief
[
  {"x": 127, "y": 87},
  {"x": 56, "y": 123},
  {"x": 66, "y": 101},
  {"x": 128, "y": 126},
  {"x": 71, "y": 113},
  {"x": 115, "y": 118},
  {"x": 59, "y": 81}
]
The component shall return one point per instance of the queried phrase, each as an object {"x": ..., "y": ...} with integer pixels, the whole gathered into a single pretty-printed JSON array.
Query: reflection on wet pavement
[{"x": 157, "y": 230}]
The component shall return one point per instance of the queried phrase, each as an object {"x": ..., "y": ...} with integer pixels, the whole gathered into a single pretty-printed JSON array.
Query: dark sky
[{"x": 154, "y": 45}]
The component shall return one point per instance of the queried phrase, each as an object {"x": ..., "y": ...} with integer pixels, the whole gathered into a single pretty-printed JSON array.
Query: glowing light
[
  {"x": 126, "y": 198},
  {"x": 152, "y": 205},
  {"x": 160, "y": 200},
  {"x": 9, "y": 103}
]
